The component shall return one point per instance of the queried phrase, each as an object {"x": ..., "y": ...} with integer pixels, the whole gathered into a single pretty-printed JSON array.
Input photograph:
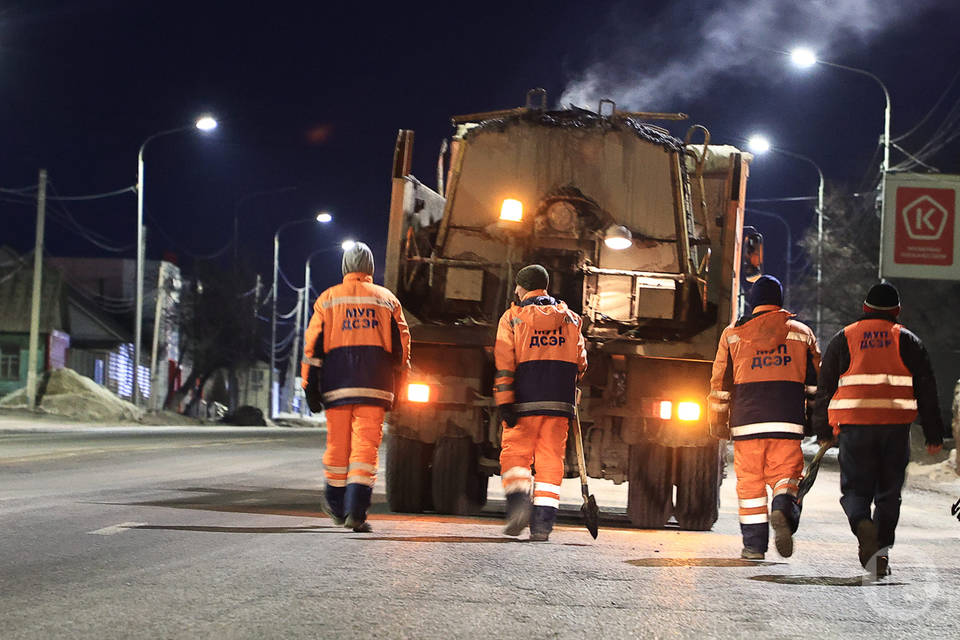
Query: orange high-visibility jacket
[
  {"x": 540, "y": 354},
  {"x": 877, "y": 387},
  {"x": 359, "y": 338},
  {"x": 766, "y": 366}
]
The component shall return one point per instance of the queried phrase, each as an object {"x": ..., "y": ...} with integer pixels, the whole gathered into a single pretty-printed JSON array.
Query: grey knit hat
[
  {"x": 358, "y": 259},
  {"x": 533, "y": 277}
]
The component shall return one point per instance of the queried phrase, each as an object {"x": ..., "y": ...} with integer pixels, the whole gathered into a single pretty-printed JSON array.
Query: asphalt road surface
[{"x": 193, "y": 533}]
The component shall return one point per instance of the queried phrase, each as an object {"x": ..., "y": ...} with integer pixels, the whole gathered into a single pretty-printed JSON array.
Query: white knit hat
[{"x": 358, "y": 259}]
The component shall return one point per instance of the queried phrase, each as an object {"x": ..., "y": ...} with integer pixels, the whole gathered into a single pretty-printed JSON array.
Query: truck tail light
[
  {"x": 511, "y": 210},
  {"x": 688, "y": 411},
  {"x": 665, "y": 409},
  {"x": 418, "y": 392}
]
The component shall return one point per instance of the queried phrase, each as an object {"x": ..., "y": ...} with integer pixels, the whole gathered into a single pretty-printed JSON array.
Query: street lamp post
[
  {"x": 205, "y": 123},
  {"x": 759, "y": 145},
  {"x": 305, "y": 320},
  {"x": 805, "y": 58},
  {"x": 322, "y": 218}
]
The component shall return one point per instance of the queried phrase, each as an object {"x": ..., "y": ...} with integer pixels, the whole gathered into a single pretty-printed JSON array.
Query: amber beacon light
[{"x": 418, "y": 392}]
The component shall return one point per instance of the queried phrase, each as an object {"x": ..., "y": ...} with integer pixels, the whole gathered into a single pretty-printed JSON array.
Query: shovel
[
  {"x": 589, "y": 508},
  {"x": 810, "y": 473}
]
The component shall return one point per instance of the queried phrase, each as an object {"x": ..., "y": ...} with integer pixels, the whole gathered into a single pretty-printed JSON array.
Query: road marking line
[
  {"x": 117, "y": 528},
  {"x": 72, "y": 453}
]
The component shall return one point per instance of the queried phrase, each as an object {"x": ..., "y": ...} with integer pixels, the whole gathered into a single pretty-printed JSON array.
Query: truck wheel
[
  {"x": 408, "y": 474},
  {"x": 698, "y": 486},
  {"x": 650, "y": 491},
  {"x": 456, "y": 489}
]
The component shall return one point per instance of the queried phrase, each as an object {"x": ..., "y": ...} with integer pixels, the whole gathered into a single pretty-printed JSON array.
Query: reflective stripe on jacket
[
  {"x": 360, "y": 337},
  {"x": 877, "y": 387},
  {"x": 540, "y": 354},
  {"x": 766, "y": 366}
]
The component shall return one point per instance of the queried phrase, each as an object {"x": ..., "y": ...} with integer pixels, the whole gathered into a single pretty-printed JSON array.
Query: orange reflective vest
[
  {"x": 540, "y": 354},
  {"x": 766, "y": 367},
  {"x": 877, "y": 387},
  {"x": 359, "y": 338}
]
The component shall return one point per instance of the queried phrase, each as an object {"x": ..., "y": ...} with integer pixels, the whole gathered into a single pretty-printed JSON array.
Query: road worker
[
  {"x": 876, "y": 377},
  {"x": 540, "y": 355},
  {"x": 764, "y": 374},
  {"x": 356, "y": 350}
]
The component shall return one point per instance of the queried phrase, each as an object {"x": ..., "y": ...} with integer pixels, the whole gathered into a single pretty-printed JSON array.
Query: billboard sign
[{"x": 921, "y": 233}]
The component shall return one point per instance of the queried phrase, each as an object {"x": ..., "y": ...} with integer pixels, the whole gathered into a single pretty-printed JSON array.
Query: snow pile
[
  {"x": 940, "y": 475},
  {"x": 72, "y": 395}
]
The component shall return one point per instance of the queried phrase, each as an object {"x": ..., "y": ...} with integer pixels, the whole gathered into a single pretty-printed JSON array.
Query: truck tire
[
  {"x": 456, "y": 486},
  {"x": 650, "y": 491},
  {"x": 698, "y": 486},
  {"x": 408, "y": 474}
]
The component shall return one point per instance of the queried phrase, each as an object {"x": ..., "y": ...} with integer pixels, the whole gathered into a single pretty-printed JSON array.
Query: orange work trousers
[
  {"x": 540, "y": 441},
  {"x": 353, "y": 440},
  {"x": 760, "y": 462}
]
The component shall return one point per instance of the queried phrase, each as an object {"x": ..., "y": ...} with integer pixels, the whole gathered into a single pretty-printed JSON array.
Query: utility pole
[
  {"x": 294, "y": 355},
  {"x": 159, "y": 324},
  {"x": 306, "y": 321},
  {"x": 35, "y": 298}
]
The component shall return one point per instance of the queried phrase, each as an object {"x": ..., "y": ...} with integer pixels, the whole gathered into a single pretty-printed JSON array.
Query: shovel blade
[{"x": 591, "y": 516}]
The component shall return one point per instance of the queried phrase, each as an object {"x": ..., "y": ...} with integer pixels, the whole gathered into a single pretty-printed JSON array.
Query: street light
[
  {"x": 760, "y": 144},
  {"x": 346, "y": 245},
  {"x": 205, "y": 124},
  {"x": 273, "y": 315},
  {"x": 324, "y": 217},
  {"x": 805, "y": 58}
]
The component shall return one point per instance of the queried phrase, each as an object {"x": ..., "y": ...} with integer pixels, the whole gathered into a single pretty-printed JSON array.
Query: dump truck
[{"x": 642, "y": 234}]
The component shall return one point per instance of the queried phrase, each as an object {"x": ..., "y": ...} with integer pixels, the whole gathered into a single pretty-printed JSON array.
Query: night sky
[{"x": 310, "y": 95}]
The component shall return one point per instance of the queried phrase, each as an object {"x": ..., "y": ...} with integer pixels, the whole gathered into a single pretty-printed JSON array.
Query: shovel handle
[{"x": 578, "y": 440}]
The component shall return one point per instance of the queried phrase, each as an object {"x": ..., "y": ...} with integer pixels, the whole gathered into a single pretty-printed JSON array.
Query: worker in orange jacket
[
  {"x": 764, "y": 375},
  {"x": 540, "y": 355},
  {"x": 356, "y": 349},
  {"x": 876, "y": 378}
]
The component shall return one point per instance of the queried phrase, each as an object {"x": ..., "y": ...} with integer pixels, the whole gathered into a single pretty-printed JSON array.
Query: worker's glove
[
  {"x": 312, "y": 390},
  {"x": 934, "y": 448},
  {"x": 720, "y": 429},
  {"x": 718, "y": 420},
  {"x": 506, "y": 415},
  {"x": 822, "y": 440}
]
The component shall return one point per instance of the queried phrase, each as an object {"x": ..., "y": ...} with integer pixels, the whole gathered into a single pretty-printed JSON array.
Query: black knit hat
[
  {"x": 882, "y": 297},
  {"x": 533, "y": 277},
  {"x": 766, "y": 290}
]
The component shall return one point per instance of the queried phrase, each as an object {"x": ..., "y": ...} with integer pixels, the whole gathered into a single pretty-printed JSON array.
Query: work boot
[
  {"x": 883, "y": 566},
  {"x": 541, "y": 524},
  {"x": 358, "y": 526},
  {"x": 867, "y": 537},
  {"x": 518, "y": 513},
  {"x": 751, "y": 554},
  {"x": 782, "y": 534},
  {"x": 331, "y": 503},
  {"x": 327, "y": 509}
]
